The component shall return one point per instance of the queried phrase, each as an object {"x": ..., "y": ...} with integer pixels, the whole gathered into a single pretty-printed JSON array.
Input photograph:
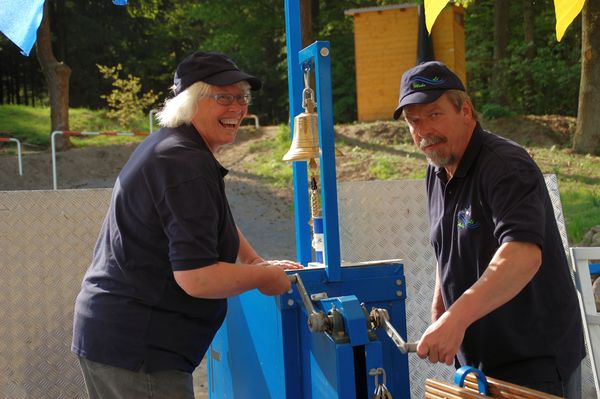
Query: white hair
[{"x": 181, "y": 109}]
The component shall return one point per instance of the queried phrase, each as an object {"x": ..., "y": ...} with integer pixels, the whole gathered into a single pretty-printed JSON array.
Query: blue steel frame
[
  {"x": 317, "y": 57},
  {"x": 293, "y": 37},
  {"x": 264, "y": 348}
]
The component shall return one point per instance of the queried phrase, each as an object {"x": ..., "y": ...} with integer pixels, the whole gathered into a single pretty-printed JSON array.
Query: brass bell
[{"x": 305, "y": 143}]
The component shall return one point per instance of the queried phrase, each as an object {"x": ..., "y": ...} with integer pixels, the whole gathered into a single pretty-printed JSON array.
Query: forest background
[{"x": 518, "y": 68}]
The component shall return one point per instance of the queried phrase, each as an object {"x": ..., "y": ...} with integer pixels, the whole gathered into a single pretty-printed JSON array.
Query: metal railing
[{"x": 19, "y": 154}]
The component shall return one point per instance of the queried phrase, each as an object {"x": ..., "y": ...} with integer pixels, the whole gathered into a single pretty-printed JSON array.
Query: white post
[
  {"x": 19, "y": 156},
  {"x": 151, "y": 116},
  {"x": 53, "y": 145},
  {"x": 252, "y": 116}
]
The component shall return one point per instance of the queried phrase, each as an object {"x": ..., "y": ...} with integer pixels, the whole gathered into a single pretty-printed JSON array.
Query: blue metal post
[
  {"x": 318, "y": 54},
  {"x": 295, "y": 86}
]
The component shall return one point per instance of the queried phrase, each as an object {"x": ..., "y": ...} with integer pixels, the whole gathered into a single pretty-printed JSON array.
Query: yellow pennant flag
[
  {"x": 433, "y": 8},
  {"x": 566, "y": 11}
]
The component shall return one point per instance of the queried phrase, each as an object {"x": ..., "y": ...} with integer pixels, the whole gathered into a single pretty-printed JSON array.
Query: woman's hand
[{"x": 282, "y": 264}]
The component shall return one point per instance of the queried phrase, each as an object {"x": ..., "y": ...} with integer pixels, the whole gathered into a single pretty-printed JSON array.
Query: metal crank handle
[
  {"x": 405, "y": 347},
  {"x": 380, "y": 318},
  {"x": 317, "y": 321}
]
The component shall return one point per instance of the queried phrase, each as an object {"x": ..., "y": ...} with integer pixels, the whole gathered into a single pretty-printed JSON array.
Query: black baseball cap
[
  {"x": 212, "y": 68},
  {"x": 425, "y": 83}
]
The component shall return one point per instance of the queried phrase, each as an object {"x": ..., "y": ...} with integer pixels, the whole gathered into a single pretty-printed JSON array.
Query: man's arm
[
  {"x": 513, "y": 266},
  {"x": 437, "y": 305}
]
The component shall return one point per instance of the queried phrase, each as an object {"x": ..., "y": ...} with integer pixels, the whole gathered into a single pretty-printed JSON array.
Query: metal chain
[{"x": 381, "y": 391}]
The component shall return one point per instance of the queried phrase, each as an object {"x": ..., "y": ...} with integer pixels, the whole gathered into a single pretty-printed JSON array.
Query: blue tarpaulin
[{"x": 20, "y": 20}]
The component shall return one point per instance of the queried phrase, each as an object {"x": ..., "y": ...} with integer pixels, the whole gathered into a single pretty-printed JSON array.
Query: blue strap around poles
[{"x": 461, "y": 374}]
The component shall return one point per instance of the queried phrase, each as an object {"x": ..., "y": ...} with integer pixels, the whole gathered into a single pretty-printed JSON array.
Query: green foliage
[
  {"x": 384, "y": 167},
  {"x": 581, "y": 206},
  {"x": 149, "y": 37},
  {"x": 495, "y": 111},
  {"x": 126, "y": 103},
  {"x": 546, "y": 84}
]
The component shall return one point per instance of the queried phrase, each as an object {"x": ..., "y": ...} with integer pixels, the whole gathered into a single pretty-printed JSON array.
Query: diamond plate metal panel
[
  {"x": 46, "y": 243},
  {"x": 387, "y": 220},
  {"x": 47, "y": 239}
]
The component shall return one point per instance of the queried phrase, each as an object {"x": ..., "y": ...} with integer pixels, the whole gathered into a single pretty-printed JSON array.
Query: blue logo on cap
[{"x": 419, "y": 82}]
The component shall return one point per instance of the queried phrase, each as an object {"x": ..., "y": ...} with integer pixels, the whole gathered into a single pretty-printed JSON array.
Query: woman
[{"x": 165, "y": 260}]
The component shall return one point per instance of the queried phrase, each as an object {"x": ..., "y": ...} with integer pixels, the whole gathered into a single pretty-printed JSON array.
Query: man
[
  {"x": 504, "y": 300},
  {"x": 165, "y": 260}
]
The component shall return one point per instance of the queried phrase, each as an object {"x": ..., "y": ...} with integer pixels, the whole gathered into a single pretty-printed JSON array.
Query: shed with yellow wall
[{"x": 385, "y": 40}]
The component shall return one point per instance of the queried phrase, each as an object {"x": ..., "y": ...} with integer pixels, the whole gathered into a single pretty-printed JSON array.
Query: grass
[
  {"x": 31, "y": 125},
  {"x": 269, "y": 166},
  {"x": 393, "y": 157}
]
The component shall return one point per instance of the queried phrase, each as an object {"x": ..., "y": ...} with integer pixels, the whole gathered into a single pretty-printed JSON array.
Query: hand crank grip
[{"x": 381, "y": 318}]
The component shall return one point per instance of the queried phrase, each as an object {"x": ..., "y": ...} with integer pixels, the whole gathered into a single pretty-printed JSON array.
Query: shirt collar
[
  {"x": 468, "y": 157},
  {"x": 190, "y": 131}
]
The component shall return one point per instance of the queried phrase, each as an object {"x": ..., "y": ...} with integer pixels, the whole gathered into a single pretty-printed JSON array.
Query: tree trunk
[
  {"x": 57, "y": 76},
  {"x": 501, "y": 36},
  {"x": 306, "y": 22},
  {"x": 528, "y": 36},
  {"x": 587, "y": 132}
]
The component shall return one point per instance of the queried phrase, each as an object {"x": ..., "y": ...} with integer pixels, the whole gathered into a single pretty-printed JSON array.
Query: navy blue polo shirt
[
  {"x": 168, "y": 212},
  {"x": 498, "y": 195}
]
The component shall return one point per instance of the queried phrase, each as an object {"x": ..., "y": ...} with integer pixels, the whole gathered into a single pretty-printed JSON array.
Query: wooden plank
[
  {"x": 449, "y": 391},
  {"x": 505, "y": 390}
]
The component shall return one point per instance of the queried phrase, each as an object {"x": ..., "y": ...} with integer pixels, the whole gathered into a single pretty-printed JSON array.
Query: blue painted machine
[{"x": 326, "y": 338}]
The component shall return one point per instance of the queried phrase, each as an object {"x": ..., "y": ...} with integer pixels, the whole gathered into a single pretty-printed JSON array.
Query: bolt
[
  {"x": 290, "y": 302},
  {"x": 324, "y": 51},
  {"x": 399, "y": 293},
  {"x": 398, "y": 282}
]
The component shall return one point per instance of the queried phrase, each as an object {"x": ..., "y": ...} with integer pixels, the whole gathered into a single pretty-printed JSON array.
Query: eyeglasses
[{"x": 227, "y": 99}]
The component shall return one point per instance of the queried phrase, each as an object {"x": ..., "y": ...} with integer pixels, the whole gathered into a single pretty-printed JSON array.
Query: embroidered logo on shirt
[{"x": 465, "y": 221}]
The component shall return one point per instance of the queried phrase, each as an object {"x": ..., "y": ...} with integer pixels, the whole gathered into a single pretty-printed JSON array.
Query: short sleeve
[
  {"x": 191, "y": 213},
  {"x": 516, "y": 202}
]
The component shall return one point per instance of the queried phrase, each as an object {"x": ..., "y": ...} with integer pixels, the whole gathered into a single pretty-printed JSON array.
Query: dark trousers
[
  {"x": 107, "y": 382},
  {"x": 569, "y": 389}
]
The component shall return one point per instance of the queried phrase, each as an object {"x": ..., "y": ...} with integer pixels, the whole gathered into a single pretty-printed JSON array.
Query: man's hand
[{"x": 441, "y": 340}]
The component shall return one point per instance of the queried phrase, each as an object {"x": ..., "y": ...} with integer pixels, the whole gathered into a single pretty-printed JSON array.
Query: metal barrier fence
[
  {"x": 57, "y": 132},
  {"x": 255, "y": 117},
  {"x": 19, "y": 156}
]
